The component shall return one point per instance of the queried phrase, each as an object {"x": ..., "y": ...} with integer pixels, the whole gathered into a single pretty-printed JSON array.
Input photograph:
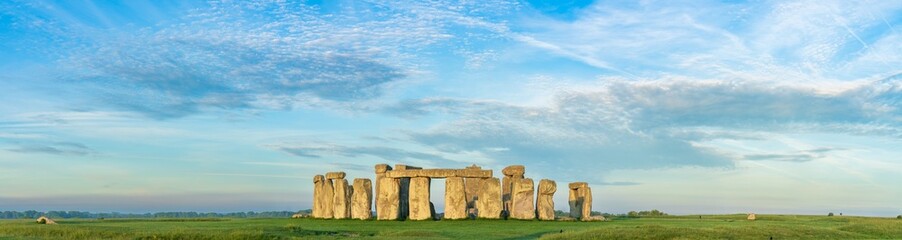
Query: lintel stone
[{"x": 439, "y": 173}]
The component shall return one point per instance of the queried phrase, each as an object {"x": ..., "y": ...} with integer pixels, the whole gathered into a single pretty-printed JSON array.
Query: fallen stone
[
  {"x": 455, "y": 199},
  {"x": 545, "y": 199},
  {"x": 751, "y": 217},
  {"x": 489, "y": 203},
  {"x": 45, "y": 220},
  {"x": 419, "y": 199},
  {"x": 362, "y": 199},
  {"x": 522, "y": 205}
]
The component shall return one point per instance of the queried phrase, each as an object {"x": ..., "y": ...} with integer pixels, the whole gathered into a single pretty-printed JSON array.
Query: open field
[{"x": 671, "y": 227}]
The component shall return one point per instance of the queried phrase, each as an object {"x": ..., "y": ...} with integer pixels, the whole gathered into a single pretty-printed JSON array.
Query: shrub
[
  {"x": 830, "y": 214},
  {"x": 899, "y": 217}
]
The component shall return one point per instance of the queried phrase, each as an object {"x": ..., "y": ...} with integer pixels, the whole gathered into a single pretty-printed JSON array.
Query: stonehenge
[
  {"x": 455, "y": 198},
  {"x": 489, "y": 203},
  {"x": 471, "y": 191},
  {"x": 388, "y": 201},
  {"x": 510, "y": 174},
  {"x": 403, "y": 192},
  {"x": 419, "y": 199},
  {"x": 317, "y": 193},
  {"x": 580, "y": 201},
  {"x": 522, "y": 205},
  {"x": 341, "y": 199},
  {"x": 544, "y": 200},
  {"x": 362, "y": 199}
]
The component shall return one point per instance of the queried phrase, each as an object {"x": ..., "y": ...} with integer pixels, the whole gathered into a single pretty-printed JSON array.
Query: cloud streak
[{"x": 57, "y": 148}]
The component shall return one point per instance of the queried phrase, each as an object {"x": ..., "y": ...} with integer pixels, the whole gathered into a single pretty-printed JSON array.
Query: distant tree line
[
  {"x": 32, "y": 214},
  {"x": 631, "y": 214},
  {"x": 652, "y": 213}
]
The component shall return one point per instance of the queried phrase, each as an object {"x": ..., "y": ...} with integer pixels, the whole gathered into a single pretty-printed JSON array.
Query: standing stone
[
  {"x": 404, "y": 192},
  {"x": 511, "y": 174},
  {"x": 326, "y": 198},
  {"x": 419, "y": 199},
  {"x": 387, "y": 199},
  {"x": 580, "y": 201},
  {"x": 471, "y": 188},
  {"x": 522, "y": 205},
  {"x": 380, "y": 172},
  {"x": 575, "y": 201},
  {"x": 489, "y": 203},
  {"x": 545, "y": 199},
  {"x": 317, "y": 194},
  {"x": 342, "y": 199},
  {"x": 586, "y": 193},
  {"x": 455, "y": 198},
  {"x": 362, "y": 200}
]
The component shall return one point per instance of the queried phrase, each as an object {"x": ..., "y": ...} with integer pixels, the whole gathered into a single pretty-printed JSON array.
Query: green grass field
[{"x": 671, "y": 227}]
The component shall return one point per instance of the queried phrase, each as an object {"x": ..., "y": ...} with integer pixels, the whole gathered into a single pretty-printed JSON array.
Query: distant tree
[
  {"x": 899, "y": 217},
  {"x": 830, "y": 214},
  {"x": 632, "y": 214}
]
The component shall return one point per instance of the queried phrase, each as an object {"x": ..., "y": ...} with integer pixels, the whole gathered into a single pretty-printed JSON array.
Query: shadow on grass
[{"x": 298, "y": 231}]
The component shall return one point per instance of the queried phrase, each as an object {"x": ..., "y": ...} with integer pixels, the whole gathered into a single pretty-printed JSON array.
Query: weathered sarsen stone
[
  {"x": 514, "y": 171},
  {"x": 580, "y": 201},
  {"x": 511, "y": 173},
  {"x": 439, "y": 173},
  {"x": 335, "y": 175},
  {"x": 362, "y": 199},
  {"x": 471, "y": 191},
  {"x": 342, "y": 199},
  {"x": 403, "y": 190},
  {"x": 419, "y": 199},
  {"x": 317, "y": 194},
  {"x": 326, "y": 198},
  {"x": 489, "y": 203},
  {"x": 387, "y": 199},
  {"x": 545, "y": 199},
  {"x": 380, "y": 172},
  {"x": 455, "y": 199},
  {"x": 522, "y": 205},
  {"x": 586, "y": 192}
]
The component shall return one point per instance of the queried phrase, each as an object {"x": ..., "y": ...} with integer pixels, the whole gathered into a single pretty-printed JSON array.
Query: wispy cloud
[
  {"x": 317, "y": 150},
  {"x": 57, "y": 148},
  {"x": 800, "y": 156},
  {"x": 621, "y": 124}
]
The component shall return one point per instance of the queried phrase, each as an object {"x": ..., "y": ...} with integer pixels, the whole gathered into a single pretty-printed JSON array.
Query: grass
[{"x": 671, "y": 227}]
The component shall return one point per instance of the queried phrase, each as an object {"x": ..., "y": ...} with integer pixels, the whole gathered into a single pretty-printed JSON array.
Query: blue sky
[{"x": 686, "y": 107}]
